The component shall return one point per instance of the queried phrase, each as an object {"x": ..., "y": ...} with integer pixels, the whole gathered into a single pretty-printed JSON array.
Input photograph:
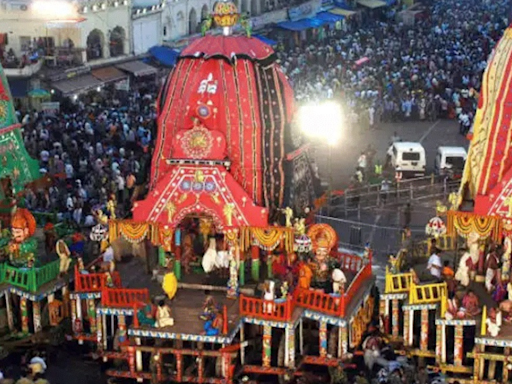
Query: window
[
  {"x": 165, "y": 31},
  {"x": 411, "y": 156},
  {"x": 456, "y": 162},
  {"x": 25, "y": 43}
]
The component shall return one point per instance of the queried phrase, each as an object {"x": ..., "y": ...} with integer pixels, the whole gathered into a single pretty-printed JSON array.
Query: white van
[
  {"x": 450, "y": 160},
  {"x": 408, "y": 159}
]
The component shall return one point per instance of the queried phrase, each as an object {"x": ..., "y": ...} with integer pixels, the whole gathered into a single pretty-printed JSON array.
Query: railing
[
  {"x": 266, "y": 309},
  {"x": 343, "y": 203},
  {"x": 94, "y": 282},
  {"x": 320, "y": 302},
  {"x": 429, "y": 294},
  {"x": 398, "y": 282},
  {"x": 123, "y": 297},
  {"x": 30, "y": 279},
  {"x": 26, "y": 71},
  {"x": 350, "y": 262},
  {"x": 363, "y": 275}
]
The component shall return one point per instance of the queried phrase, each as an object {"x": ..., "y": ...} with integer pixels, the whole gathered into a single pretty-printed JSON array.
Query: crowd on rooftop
[{"x": 423, "y": 71}]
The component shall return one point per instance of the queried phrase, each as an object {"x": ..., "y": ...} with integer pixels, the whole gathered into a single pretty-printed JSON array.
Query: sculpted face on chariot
[
  {"x": 322, "y": 251},
  {"x": 19, "y": 229}
]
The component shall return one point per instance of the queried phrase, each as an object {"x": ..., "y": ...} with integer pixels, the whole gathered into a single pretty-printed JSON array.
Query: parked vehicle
[
  {"x": 407, "y": 159},
  {"x": 450, "y": 161}
]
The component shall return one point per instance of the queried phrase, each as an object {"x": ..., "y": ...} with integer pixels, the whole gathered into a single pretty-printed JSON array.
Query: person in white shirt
[{"x": 434, "y": 266}]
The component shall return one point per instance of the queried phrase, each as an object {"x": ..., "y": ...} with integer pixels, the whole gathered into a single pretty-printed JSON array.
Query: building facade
[{"x": 91, "y": 30}]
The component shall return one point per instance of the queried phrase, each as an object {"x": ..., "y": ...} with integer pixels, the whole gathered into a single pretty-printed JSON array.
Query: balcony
[
  {"x": 328, "y": 304},
  {"x": 31, "y": 279},
  {"x": 94, "y": 282},
  {"x": 26, "y": 71}
]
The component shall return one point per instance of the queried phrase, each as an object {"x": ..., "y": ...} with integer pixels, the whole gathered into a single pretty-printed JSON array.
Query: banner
[
  {"x": 274, "y": 17},
  {"x": 305, "y": 10},
  {"x": 123, "y": 85},
  {"x": 50, "y": 108}
]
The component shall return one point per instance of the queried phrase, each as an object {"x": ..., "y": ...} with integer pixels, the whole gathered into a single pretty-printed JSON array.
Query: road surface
[{"x": 345, "y": 153}]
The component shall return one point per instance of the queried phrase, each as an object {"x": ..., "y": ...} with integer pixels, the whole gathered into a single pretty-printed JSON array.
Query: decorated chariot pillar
[
  {"x": 290, "y": 347},
  {"x": 458, "y": 350},
  {"x": 122, "y": 328},
  {"x": 99, "y": 331},
  {"x": 255, "y": 263},
  {"x": 36, "y": 313},
  {"x": 177, "y": 253},
  {"x": 406, "y": 327},
  {"x": 439, "y": 342},
  {"x": 10, "y": 317},
  {"x": 73, "y": 315},
  {"x": 323, "y": 338},
  {"x": 505, "y": 269},
  {"x": 267, "y": 345},
  {"x": 505, "y": 365},
  {"x": 343, "y": 340},
  {"x": 24, "y": 315},
  {"x": 138, "y": 356},
  {"x": 91, "y": 314},
  {"x": 78, "y": 322},
  {"x": 396, "y": 320},
  {"x": 65, "y": 302},
  {"x": 424, "y": 329}
]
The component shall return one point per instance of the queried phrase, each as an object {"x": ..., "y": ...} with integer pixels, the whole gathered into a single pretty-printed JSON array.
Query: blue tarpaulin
[
  {"x": 266, "y": 40},
  {"x": 301, "y": 25},
  {"x": 19, "y": 87},
  {"x": 165, "y": 55},
  {"x": 329, "y": 17}
]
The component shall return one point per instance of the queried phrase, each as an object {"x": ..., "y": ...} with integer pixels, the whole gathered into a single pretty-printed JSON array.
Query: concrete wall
[{"x": 147, "y": 32}]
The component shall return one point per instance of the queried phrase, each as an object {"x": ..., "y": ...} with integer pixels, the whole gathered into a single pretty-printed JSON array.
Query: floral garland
[
  {"x": 131, "y": 231},
  {"x": 464, "y": 223},
  {"x": 266, "y": 238}
]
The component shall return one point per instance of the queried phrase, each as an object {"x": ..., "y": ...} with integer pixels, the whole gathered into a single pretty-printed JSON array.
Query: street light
[
  {"x": 322, "y": 121},
  {"x": 54, "y": 9}
]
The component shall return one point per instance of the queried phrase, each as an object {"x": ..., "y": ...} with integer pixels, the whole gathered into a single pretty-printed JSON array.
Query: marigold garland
[
  {"x": 464, "y": 223},
  {"x": 132, "y": 231},
  {"x": 266, "y": 238}
]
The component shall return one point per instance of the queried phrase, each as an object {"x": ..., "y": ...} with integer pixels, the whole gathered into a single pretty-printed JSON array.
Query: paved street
[{"x": 344, "y": 154}]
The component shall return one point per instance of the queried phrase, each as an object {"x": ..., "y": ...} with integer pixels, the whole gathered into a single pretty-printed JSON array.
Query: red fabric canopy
[
  {"x": 210, "y": 190},
  {"x": 228, "y": 47}
]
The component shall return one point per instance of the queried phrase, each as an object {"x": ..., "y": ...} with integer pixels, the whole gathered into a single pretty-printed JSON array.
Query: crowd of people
[
  {"x": 94, "y": 151},
  {"x": 389, "y": 71}
]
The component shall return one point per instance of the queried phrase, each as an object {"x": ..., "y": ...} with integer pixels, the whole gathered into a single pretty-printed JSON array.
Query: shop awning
[
  {"x": 137, "y": 68},
  {"x": 109, "y": 74},
  {"x": 301, "y": 25},
  {"x": 342, "y": 12},
  {"x": 329, "y": 17},
  {"x": 19, "y": 87},
  {"x": 165, "y": 55},
  {"x": 77, "y": 84},
  {"x": 372, "y": 3},
  {"x": 266, "y": 40}
]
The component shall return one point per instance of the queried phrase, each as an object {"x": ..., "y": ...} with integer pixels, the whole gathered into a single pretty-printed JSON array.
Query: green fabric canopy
[{"x": 15, "y": 162}]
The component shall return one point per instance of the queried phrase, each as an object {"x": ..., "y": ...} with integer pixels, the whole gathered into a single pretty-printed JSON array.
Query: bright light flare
[
  {"x": 322, "y": 120},
  {"x": 54, "y": 9}
]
